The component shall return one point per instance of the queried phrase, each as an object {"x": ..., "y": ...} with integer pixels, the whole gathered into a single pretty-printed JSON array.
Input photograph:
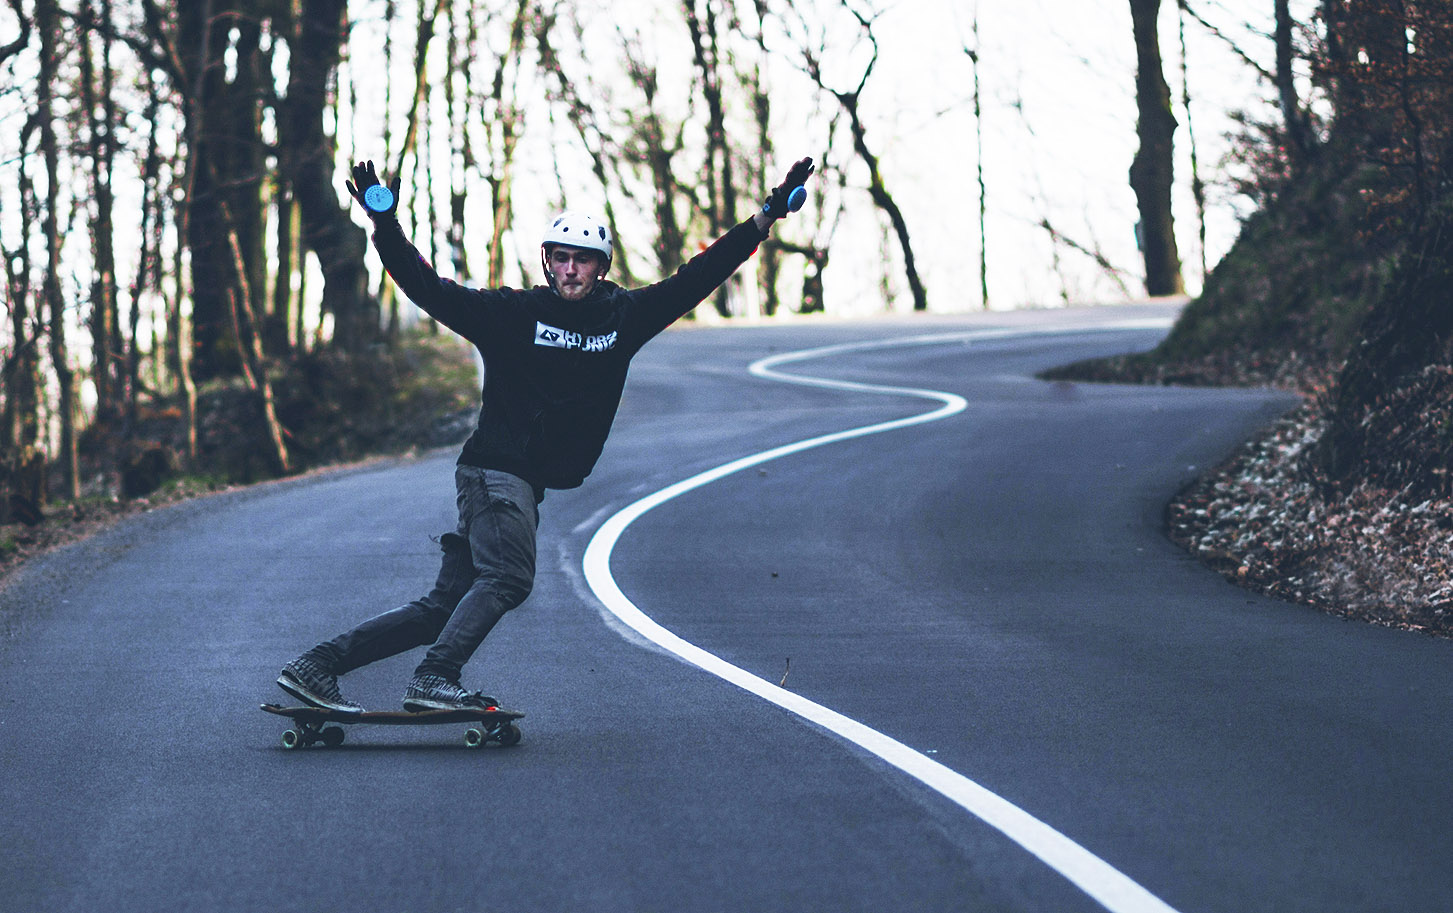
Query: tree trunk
[
  {"x": 278, "y": 337},
  {"x": 756, "y": 85},
  {"x": 653, "y": 145},
  {"x": 877, "y": 189},
  {"x": 979, "y": 162},
  {"x": 461, "y": 151},
  {"x": 720, "y": 190},
  {"x": 884, "y": 201},
  {"x": 47, "y": 23},
  {"x": 1298, "y": 128},
  {"x": 246, "y": 329},
  {"x": 505, "y": 127},
  {"x": 175, "y": 45},
  {"x": 224, "y": 84},
  {"x": 179, "y": 342},
  {"x": 812, "y": 288},
  {"x": 328, "y": 231},
  {"x": 22, "y": 464},
  {"x": 179, "y": 328},
  {"x": 100, "y": 108},
  {"x": 1198, "y": 186},
  {"x": 148, "y": 267},
  {"x": 1153, "y": 171},
  {"x": 720, "y": 195}
]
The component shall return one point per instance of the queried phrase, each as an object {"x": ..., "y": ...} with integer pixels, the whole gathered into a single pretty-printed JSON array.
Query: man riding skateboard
[{"x": 556, "y": 358}]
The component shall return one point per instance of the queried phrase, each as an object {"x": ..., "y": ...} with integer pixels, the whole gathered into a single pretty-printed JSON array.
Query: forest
[{"x": 187, "y": 291}]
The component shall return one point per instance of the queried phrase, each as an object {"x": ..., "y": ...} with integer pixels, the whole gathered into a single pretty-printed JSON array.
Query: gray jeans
[{"x": 488, "y": 569}]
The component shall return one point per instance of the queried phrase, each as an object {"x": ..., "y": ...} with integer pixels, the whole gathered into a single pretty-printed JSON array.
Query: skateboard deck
[{"x": 312, "y": 724}]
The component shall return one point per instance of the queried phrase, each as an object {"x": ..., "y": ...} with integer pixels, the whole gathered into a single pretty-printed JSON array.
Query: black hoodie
[{"x": 554, "y": 369}]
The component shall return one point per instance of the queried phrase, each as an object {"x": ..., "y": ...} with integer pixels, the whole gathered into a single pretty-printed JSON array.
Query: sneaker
[
  {"x": 312, "y": 683},
  {"x": 435, "y": 692}
]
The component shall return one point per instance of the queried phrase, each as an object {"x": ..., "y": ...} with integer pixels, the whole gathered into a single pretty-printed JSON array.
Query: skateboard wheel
[
  {"x": 474, "y": 739},
  {"x": 291, "y": 739},
  {"x": 333, "y": 736},
  {"x": 509, "y": 734}
]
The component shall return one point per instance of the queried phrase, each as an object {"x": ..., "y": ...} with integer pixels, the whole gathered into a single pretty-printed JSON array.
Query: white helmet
[{"x": 577, "y": 229}]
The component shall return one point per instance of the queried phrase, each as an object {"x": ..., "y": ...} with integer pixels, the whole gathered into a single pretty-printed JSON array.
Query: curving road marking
[{"x": 1107, "y": 885}]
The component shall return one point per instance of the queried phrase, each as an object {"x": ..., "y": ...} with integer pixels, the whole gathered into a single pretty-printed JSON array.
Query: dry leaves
[{"x": 1266, "y": 520}]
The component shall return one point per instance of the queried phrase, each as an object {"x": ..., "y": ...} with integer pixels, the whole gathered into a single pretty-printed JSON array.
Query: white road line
[{"x": 1097, "y": 878}]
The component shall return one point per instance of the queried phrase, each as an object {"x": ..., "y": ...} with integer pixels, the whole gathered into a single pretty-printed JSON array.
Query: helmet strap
[{"x": 545, "y": 265}]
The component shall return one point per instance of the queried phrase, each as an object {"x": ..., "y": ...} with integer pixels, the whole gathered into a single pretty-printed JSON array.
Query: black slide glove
[
  {"x": 790, "y": 194},
  {"x": 374, "y": 197}
]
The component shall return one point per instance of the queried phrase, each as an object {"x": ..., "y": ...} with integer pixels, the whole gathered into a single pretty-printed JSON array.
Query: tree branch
[
  {"x": 1235, "y": 48},
  {"x": 21, "y": 40}
]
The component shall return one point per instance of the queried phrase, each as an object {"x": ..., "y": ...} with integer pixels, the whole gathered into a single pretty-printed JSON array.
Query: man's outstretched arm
[
  {"x": 447, "y": 302},
  {"x": 666, "y": 301}
]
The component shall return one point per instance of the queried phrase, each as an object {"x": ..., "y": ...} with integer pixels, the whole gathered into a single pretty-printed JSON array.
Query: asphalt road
[{"x": 991, "y": 592}]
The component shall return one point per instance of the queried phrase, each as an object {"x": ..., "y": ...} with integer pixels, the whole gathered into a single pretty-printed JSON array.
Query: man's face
[{"x": 576, "y": 270}]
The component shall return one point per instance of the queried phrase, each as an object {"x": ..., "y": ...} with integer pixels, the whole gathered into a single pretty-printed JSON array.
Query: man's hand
[
  {"x": 788, "y": 196},
  {"x": 376, "y": 199}
]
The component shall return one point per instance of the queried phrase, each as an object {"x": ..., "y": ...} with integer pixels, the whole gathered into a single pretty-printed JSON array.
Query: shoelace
[
  {"x": 452, "y": 691},
  {"x": 313, "y": 676}
]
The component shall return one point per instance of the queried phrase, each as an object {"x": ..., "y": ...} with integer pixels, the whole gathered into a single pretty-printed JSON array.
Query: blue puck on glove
[
  {"x": 796, "y": 198},
  {"x": 378, "y": 198}
]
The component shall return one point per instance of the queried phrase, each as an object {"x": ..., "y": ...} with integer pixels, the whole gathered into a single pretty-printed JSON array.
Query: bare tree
[
  {"x": 148, "y": 256},
  {"x": 505, "y": 122},
  {"x": 1198, "y": 186},
  {"x": 22, "y": 465},
  {"x": 222, "y": 221},
  {"x": 761, "y": 100},
  {"x": 47, "y": 23},
  {"x": 461, "y": 150},
  {"x": 309, "y": 163},
  {"x": 22, "y": 460},
  {"x": 220, "y": 55},
  {"x": 653, "y": 145},
  {"x": 230, "y": 108},
  {"x": 1152, "y": 173},
  {"x": 247, "y": 332},
  {"x": 566, "y": 92},
  {"x": 1300, "y": 141},
  {"x": 701, "y": 18},
  {"x": 850, "y": 103},
  {"x": 99, "y": 114},
  {"x": 973, "y": 54}
]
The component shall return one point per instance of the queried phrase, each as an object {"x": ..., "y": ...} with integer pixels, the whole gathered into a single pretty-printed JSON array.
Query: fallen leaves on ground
[{"x": 1267, "y": 522}]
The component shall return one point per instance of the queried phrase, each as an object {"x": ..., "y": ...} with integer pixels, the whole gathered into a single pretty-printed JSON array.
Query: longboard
[{"x": 312, "y": 724}]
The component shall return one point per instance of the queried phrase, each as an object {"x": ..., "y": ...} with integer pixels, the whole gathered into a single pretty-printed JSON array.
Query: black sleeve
[
  {"x": 463, "y": 310},
  {"x": 657, "y": 306}
]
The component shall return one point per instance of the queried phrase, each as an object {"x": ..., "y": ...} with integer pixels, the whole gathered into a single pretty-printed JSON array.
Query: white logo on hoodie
[{"x": 556, "y": 338}]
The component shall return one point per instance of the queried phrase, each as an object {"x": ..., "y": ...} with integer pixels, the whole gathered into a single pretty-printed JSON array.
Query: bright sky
[
  {"x": 1059, "y": 125},
  {"x": 1059, "y": 135}
]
